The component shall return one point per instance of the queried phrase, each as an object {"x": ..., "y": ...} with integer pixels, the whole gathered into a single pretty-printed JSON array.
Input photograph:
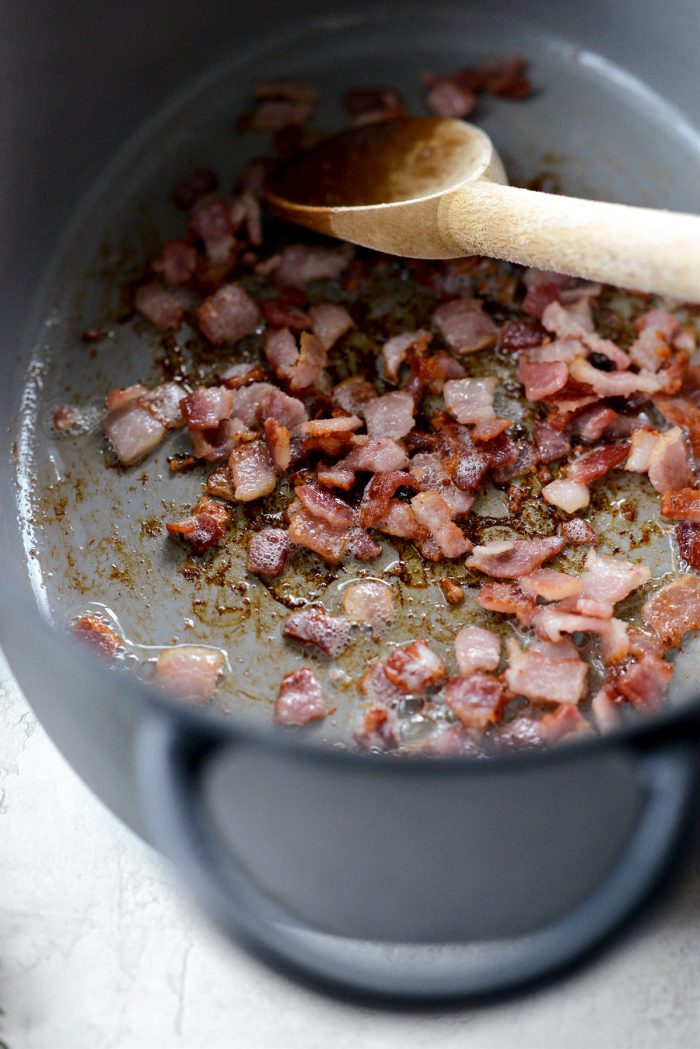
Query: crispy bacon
[
  {"x": 312, "y": 626},
  {"x": 228, "y": 315},
  {"x": 514, "y": 559},
  {"x": 674, "y": 610},
  {"x": 477, "y": 649},
  {"x": 395, "y": 349},
  {"x": 205, "y": 527},
  {"x": 189, "y": 672},
  {"x": 476, "y": 700},
  {"x": 414, "y": 668},
  {"x": 268, "y": 551},
  {"x": 464, "y": 326},
  {"x": 278, "y": 444},
  {"x": 543, "y": 679},
  {"x": 300, "y": 699},
  {"x": 379, "y": 493}
]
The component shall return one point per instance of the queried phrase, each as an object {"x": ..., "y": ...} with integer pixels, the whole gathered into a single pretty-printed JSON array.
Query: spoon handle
[{"x": 636, "y": 248}]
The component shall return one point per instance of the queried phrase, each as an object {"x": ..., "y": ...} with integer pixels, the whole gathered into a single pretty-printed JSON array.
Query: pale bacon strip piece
[
  {"x": 132, "y": 430},
  {"x": 395, "y": 349},
  {"x": 464, "y": 326},
  {"x": 329, "y": 322},
  {"x": 414, "y": 668},
  {"x": 390, "y": 415},
  {"x": 644, "y": 683},
  {"x": 541, "y": 379},
  {"x": 189, "y": 672},
  {"x": 577, "y": 322},
  {"x": 285, "y": 410},
  {"x": 674, "y": 610},
  {"x": 300, "y": 699},
  {"x": 470, "y": 400},
  {"x": 652, "y": 347},
  {"x": 248, "y": 402},
  {"x": 164, "y": 403},
  {"x": 514, "y": 559},
  {"x": 607, "y": 581},
  {"x": 477, "y": 649},
  {"x": 569, "y": 496},
  {"x": 551, "y": 622},
  {"x": 252, "y": 471},
  {"x": 369, "y": 601},
  {"x": 329, "y": 427},
  {"x": 312, "y": 626},
  {"x": 228, "y": 315},
  {"x": 207, "y": 406},
  {"x": 216, "y": 445},
  {"x": 551, "y": 585},
  {"x": 301, "y": 366},
  {"x": 268, "y": 551},
  {"x": 642, "y": 444},
  {"x": 433, "y": 513},
  {"x": 476, "y": 700},
  {"x": 542, "y": 679},
  {"x": 605, "y": 710},
  {"x": 669, "y": 469},
  {"x": 613, "y": 384},
  {"x": 509, "y": 599},
  {"x": 315, "y": 533},
  {"x": 325, "y": 505},
  {"x": 353, "y": 395}
]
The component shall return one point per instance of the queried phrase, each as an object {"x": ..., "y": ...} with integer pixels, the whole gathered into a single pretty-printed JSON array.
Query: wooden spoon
[{"x": 430, "y": 188}]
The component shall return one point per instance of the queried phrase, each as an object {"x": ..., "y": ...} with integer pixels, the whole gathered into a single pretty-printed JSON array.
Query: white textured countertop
[{"x": 100, "y": 947}]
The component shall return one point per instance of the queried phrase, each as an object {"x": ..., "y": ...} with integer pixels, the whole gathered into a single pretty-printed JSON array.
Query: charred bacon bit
[
  {"x": 674, "y": 610},
  {"x": 476, "y": 700},
  {"x": 414, "y": 668},
  {"x": 300, "y": 699},
  {"x": 369, "y": 601},
  {"x": 268, "y": 551},
  {"x": 477, "y": 649},
  {"x": 158, "y": 305},
  {"x": 312, "y": 626},
  {"x": 205, "y": 528},
  {"x": 228, "y": 315},
  {"x": 189, "y": 672},
  {"x": 464, "y": 326},
  {"x": 92, "y": 631},
  {"x": 682, "y": 505},
  {"x": 542, "y": 679},
  {"x": 512, "y": 560}
]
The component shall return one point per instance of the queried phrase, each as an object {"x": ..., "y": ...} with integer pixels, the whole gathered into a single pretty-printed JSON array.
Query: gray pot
[{"x": 344, "y": 869}]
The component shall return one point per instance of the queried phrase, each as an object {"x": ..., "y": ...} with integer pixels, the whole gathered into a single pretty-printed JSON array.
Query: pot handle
[{"x": 171, "y": 756}]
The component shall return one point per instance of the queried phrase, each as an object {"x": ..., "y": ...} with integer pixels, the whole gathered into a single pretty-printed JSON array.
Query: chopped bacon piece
[
  {"x": 538, "y": 297},
  {"x": 433, "y": 513},
  {"x": 315, "y": 533},
  {"x": 301, "y": 367},
  {"x": 218, "y": 482},
  {"x": 285, "y": 410},
  {"x": 379, "y": 725},
  {"x": 98, "y": 635},
  {"x": 66, "y": 418},
  {"x": 379, "y": 493},
  {"x": 241, "y": 374},
  {"x": 542, "y": 679},
  {"x": 477, "y": 649},
  {"x": 488, "y": 429},
  {"x": 596, "y": 463},
  {"x": 454, "y": 593},
  {"x": 246, "y": 212},
  {"x": 376, "y": 455},
  {"x": 470, "y": 400},
  {"x": 514, "y": 559},
  {"x": 177, "y": 262},
  {"x": 217, "y": 444},
  {"x": 330, "y": 634},
  {"x": 688, "y": 539},
  {"x": 363, "y": 546},
  {"x": 331, "y": 427},
  {"x": 579, "y": 532},
  {"x": 228, "y": 315},
  {"x": 164, "y": 403},
  {"x": 268, "y": 551},
  {"x": 390, "y": 415},
  {"x": 132, "y": 430},
  {"x": 325, "y": 505},
  {"x": 644, "y": 683},
  {"x": 414, "y": 668},
  {"x": 568, "y": 495},
  {"x": 607, "y": 581},
  {"x": 642, "y": 443},
  {"x": 520, "y": 335},
  {"x": 551, "y": 622},
  {"x": 674, "y": 610},
  {"x": 613, "y": 384},
  {"x": 300, "y": 263},
  {"x": 605, "y": 710},
  {"x": 520, "y": 734},
  {"x": 551, "y": 585},
  {"x": 464, "y": 326},
  {"x": 395, "y": 349},
  {"x": 189, "y": 189},
  {"x": 189, "y": 671},
  {"x": 252, "y": 471},
  {"x": 369, "y": 601},
  {"x": 300, "y": 699},
  {"x": 158, "y": 305},
  {"x": 281, "y": 314},
  {"x": 683, "y": 505},
  {"x": 329, "y": 322},
  {"x": 541, "y": 380},
  {"x": 470, "y": 471},
  {"x": 592, "y": 422},
  {"x": 353, "y": 395},
  {"x": 205, "y": 528},
  {"x": 400, "y": 520},
  {"x": 212, "y": 221},
  {"x": 431, "y": 472},
  {"x": 564, "y": 722},
  {"x": 652, "y": 347},
  {"x": 476, "y": 700},
  {"x": 507, "y": 598},
  {"x": 207, "y": 406},
  {"x": 669, "y": 469},
  {"x": 681, "y": 412},
  {"x": 335, "y": 476},
  {"x": 278, "y": 445},
  {"x": 445, "y": 98}
]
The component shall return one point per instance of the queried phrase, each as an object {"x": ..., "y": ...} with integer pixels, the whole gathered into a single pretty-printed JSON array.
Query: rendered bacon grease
[{"x": 401, "y": 449}]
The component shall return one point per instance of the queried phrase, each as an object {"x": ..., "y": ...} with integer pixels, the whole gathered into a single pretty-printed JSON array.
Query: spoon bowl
[{"x": 427, "y": 187}]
